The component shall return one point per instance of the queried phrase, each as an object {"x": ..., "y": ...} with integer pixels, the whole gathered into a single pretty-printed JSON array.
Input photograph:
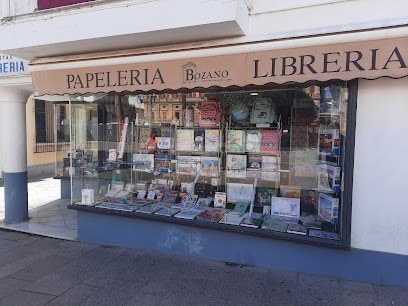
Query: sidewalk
[
  {"x": 48, "y": 214},
  {"x": 36, "y": 270}
]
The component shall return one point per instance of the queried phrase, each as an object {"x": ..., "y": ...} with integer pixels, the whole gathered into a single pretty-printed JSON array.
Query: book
[
  {"x": 115, "y": 188},
  {"x": 323, "y": 234},
  {"x": 328, "y": 178},
  {"x": 232, "y": 217},
  {"x": 285, "y": 207},
  {"x": 211, "y": 140},
  {"x": 167, "y": 211},
  {"x": 236, "y": 165},
  {"x": 141, "y": 194},
  {"x": 308, "y": 200},
  {"x": 143, "y": 162},
  {"x": 190, "y": 213},
  {"x": 252, "y": 141},
  {"x": 144, "y": 133},
  {"x": 149, "y": 209},
  {"x": 270, "y": 163},
  {"x": 220, "y": 199},
  {"x": 328, "y": 208},
  {"x": 209, "y": 166},
  {"x": 253, "y": 220},
  {"x": 289, "y": 191},
  {"x": 204, "y": 202},
  {"x": 270, "y": 141},
  {"x": 270, "y": 168},
  {"x": 263, "y": 195},
  {"x": 239, "y": 192},
  {"x": 236, "y": 141},
  {"x": 151, "y": 195},
  {"x": 123, "y": 194},
  {"x": 254, "y": 161},
  {"x": 185, "y": 140},
  {"x": 211, "y": 215},
  {"x": 329, "y": 142},
  {"x": 270, "y": 223},
  {"x": 299, "y": 229},
  {"x": 241, "y": 206},
  {"x": 163, "y": 143},
  {"x": 115, "y": 206},
  {"x": 188, "y": 164}
]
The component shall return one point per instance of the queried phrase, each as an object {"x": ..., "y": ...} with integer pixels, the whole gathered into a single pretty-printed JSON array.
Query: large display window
[{"x": 268, "y": 162}]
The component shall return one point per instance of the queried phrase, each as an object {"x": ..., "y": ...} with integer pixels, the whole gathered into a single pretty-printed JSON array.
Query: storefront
[{"x": 253, "y": 156}]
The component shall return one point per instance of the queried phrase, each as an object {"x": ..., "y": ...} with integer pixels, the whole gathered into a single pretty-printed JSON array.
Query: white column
[{"x": 14, "y": 154}]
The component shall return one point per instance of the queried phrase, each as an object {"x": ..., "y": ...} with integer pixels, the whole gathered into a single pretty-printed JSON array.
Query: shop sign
[
  {"x": 10, "y": 65},
  {"x": 369, "y": 59}
]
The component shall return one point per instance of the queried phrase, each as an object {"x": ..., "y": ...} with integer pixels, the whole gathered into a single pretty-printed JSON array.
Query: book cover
[
  {"x": 204, "y": 202},
  {"x": 239, "y": 192},
  {"x": 115, "y": 206},
  {"x": 236, "y": 165},
  {"x": 236, "y": 141},
  {"x": 220, "y": 199},
  {"x": 149, "y": 209},
  {"x": 308, "y": 200},
  {"x": 285, "y": 207},
  {"x": 185, "y": 140},
  {"x": 143, "y": 162},
  {"x": 144, "y": 133},
  {"x": 163, "y": 143},
  {"x": 252, "y": 141},
  {"x": 289, "y": 191},
  {"x": 241, "y": 206},
  {"x": 211, "y": 215},
  {"x": 151, "y": 195},
  {"x": 329, "y": 142},
  {"x": 209, "y": 166},
  {"x": 298, "y": 229},
  {"x": 270, "y": 223},
  {"x": 263, "y": 195},
  {"x": 167, "y": 211},
  {"x": 254, "y": 161},
  {"x": 324, "y": 234},
  {"x": 270, "y": 163},
  {"x": 254, "y": 220},
  {"x": 328, "y": 178},
  {"x": 270, "y": 168},
  {"x": 188, "y": 164},
  {"x": 232, "y": 217},
  {"x": 116, "y": 188},
  {"x": 270, "y": 141},
  {"x": 328, "y": 208},
  {"x": 188, "y": 213},
  {"x": 211, "y": 140}
]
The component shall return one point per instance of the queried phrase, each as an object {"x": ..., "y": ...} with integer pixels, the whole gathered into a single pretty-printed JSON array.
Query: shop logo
[{"x": 191, "y": 74}]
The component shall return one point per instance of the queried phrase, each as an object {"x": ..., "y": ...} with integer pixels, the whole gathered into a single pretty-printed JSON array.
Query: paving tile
[
  {"x": 77, "y": 295},
  {"x": 26, "y": 298},
  {"x": 41, "y": 267},
  {"x": 10, "y": 285}
]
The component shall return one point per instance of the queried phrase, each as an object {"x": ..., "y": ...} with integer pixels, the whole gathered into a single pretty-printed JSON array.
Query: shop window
[
  {"x": 264, "y": 162},
  {"x": 47, "y": 136}
]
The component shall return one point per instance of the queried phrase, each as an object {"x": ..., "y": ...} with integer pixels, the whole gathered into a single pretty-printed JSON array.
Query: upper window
[{"x": 47, "y": 4}]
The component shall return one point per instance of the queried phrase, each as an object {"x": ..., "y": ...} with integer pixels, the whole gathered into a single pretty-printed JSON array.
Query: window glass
[{"x": 269, "y": 160}]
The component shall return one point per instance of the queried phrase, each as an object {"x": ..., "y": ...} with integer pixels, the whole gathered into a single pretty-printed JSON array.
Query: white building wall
[{"x": 380, "y": 205}]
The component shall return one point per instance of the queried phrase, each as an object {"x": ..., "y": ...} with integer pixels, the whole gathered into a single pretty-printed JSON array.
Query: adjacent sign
[{"x": 10, "y": 65}]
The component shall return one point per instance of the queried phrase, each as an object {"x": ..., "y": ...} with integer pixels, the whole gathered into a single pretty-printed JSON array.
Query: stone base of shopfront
[{"x": 242, "y": 248}]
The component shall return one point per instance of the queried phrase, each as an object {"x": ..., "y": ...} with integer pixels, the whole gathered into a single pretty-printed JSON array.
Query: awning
[{"x": 342, "y": 61}]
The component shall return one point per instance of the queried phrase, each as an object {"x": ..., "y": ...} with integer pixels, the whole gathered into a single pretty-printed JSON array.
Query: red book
[{"x": 270, "y": 141}]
